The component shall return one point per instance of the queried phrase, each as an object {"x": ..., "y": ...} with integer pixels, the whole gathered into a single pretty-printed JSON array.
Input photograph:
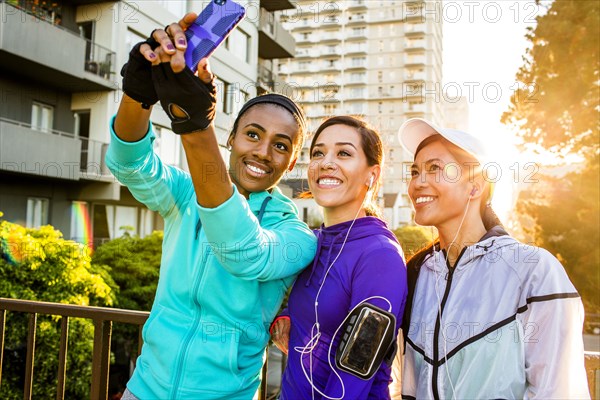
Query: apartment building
[
  {"x": 60, "y": 85},
  {"x": 381, "y": 60}
]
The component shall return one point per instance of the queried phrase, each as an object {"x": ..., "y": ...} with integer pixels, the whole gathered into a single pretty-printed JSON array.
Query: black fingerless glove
[
  {"x": 185, "y": 90},
  {"x": 137, "y": 75}
]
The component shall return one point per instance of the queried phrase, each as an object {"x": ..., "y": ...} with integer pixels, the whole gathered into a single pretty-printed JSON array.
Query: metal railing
[
  {"x": 103, "y": 318},
  {"x": 92, "y": 151},
  {"x": 30, "y": 126},
  {"x": 99, "y": 60}
]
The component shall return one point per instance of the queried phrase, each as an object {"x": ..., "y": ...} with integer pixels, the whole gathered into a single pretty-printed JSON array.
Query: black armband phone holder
[{"x": 368, "y": 338}]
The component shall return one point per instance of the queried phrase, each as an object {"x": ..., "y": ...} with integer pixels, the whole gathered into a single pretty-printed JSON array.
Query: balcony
[
  {"x": 329, "y": 37},
  {"x": 415, "y": 109},
  {"x": 352, "y": 82},
  {"x": 308, "y": 52},
  {"x": 415, "y": 77},
  {"x": 356, "y": 49},
  {"x": 415, "y": 45},
  {"x": 414, "y": 60},
  {"x": 358, "y": 34},
  {"x": 357, "y": 19},
  {"x": 92, "y": 164},
  {"x": 356, "y": 65},
  {"x": 414, "y": 29},
  {"x": 329, "y": 67},
  {"x": 331, "y": 51},
  {"x": 273, "y": 40},
  {"x": 268, "y": 81},
  {"x": 277, "y": 5},
  {"x": 54, "y": 154},
  {"x": 33, "y": 47},
  {"x": 357, "y": 5}
]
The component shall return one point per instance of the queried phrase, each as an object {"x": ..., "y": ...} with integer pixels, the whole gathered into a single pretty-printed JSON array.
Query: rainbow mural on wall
[
  {"x": 81, "y": 224},
  {"x": 9, "y": 250}
]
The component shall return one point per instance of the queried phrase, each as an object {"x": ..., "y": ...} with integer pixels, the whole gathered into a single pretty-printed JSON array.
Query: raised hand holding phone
[{"x": 210, "y": 29}]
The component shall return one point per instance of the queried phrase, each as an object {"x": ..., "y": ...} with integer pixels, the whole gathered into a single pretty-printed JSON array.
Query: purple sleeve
[{"x": 381, "y": 272}]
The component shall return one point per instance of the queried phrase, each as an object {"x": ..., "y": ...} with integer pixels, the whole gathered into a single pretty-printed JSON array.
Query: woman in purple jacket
[{"x": 358, "y": 260}]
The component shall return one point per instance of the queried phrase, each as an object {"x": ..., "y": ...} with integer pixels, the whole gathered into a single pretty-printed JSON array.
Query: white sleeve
[{"x": 553, "y": 322}]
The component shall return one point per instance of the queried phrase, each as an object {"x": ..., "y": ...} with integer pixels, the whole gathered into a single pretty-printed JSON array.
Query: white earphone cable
[{"x": 438, "y": 275}]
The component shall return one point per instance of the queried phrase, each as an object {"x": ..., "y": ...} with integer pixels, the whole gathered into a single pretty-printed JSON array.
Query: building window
[
  {"x": 330, "y": 109},
  {"x": 42, "y": 117},
  {"x": 357, "y": 77},
  {"x": 176, "y": 7},
  {"x": 357, "y": 108},
  {"x": 303, "y": 65},
  {"x": 358, "y": 31},
  {"x": 380, "y": 76},
  {"x": 167, "y": 145},
  {"x": 358, "y": 61},
  {"x": 238, "y": 43},
  {"x": 132, "y": 38},
  {"x": 37, "y": 212},
  {"x": 222, "y": 91},
  {"x": 358, "y": 93}
]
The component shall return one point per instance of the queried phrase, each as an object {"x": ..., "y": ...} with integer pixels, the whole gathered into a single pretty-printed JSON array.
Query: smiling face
[
  {"x": 440, "y": 186},
  {"x": 262, "y": 148},
  {"x": 339, "y": 172}
]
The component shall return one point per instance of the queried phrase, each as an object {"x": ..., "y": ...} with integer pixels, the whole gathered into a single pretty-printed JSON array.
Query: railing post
[
  {"x": 30, "y": 356},
  {"x": 262, "y": 390},
  {"x": 62, "y": 358},
  {"x": 101, "y": 359},
  {"x": 2, "y": 328}
]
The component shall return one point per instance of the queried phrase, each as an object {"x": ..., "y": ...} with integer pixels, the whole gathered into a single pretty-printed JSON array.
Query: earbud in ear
[
  {"x": 371, "y": 181},
  {"x": 473, "y": 191}
]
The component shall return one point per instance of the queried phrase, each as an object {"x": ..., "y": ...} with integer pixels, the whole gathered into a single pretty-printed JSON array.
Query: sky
[{"x": 483, "y": 46}]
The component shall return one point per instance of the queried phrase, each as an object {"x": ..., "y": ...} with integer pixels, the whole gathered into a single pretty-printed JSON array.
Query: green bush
[{"x": 38, "y": 264}]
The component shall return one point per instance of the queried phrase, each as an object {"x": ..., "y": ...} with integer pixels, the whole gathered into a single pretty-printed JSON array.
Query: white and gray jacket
[{"x": 505, "y": 323}]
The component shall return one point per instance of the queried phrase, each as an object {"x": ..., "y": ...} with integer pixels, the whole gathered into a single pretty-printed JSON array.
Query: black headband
[{"x": 280, "y": 100}]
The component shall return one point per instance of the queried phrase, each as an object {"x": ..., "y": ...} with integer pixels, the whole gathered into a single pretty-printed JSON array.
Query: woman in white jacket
[{"x": 490, "y": 317}]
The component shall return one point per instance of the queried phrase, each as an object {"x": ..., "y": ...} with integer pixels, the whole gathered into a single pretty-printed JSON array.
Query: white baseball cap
[{"x": 415, "y": 130}]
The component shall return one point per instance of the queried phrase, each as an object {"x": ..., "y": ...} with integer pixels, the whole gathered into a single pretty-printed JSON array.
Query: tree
[
  {"x": 566, "y": 221},
  {"x": 413, "y": 238},
  {"x": 557, "y": 108},
  {"x": 38, "y": 264}
]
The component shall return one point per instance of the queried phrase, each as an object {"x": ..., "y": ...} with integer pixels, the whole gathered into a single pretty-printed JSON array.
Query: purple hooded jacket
[{"x": 371, "y": 264}]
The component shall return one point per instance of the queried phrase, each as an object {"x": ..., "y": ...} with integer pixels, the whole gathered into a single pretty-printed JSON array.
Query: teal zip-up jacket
[{"x": 223, "y": 276}]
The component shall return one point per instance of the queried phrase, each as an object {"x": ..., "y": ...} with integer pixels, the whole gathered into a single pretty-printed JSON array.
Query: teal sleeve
[
  {"x": 254, "y": 252},
  {"x": 162, "y": 188}
]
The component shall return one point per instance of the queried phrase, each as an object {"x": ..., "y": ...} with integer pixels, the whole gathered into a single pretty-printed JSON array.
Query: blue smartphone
[{"x": 210, "y": 29}]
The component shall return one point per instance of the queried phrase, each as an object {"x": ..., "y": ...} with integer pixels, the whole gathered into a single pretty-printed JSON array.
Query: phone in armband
[
  {"x": 210, "y": 29},
  {"x": 367, "y": 340}
]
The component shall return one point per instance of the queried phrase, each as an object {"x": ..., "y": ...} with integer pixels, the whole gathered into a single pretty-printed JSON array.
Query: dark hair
[
  {"x": 372, "y": 147},
  {"x": 281, "y": 101}
]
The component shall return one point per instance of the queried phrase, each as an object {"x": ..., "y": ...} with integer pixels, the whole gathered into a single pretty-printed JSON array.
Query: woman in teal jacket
[{"x": 233, "y": 244}]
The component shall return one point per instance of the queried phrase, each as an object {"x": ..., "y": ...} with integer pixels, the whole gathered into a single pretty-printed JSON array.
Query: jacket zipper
[
  {"x": 438, "y": 321},
  {"x": 189, "y": 336}
]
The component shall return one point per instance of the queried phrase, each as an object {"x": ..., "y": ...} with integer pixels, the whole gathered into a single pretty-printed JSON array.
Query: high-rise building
[
  {"x": 378, "y": 59},
  {"x": 60, "y": 85},
  {"x": 456, "y": 113}
]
